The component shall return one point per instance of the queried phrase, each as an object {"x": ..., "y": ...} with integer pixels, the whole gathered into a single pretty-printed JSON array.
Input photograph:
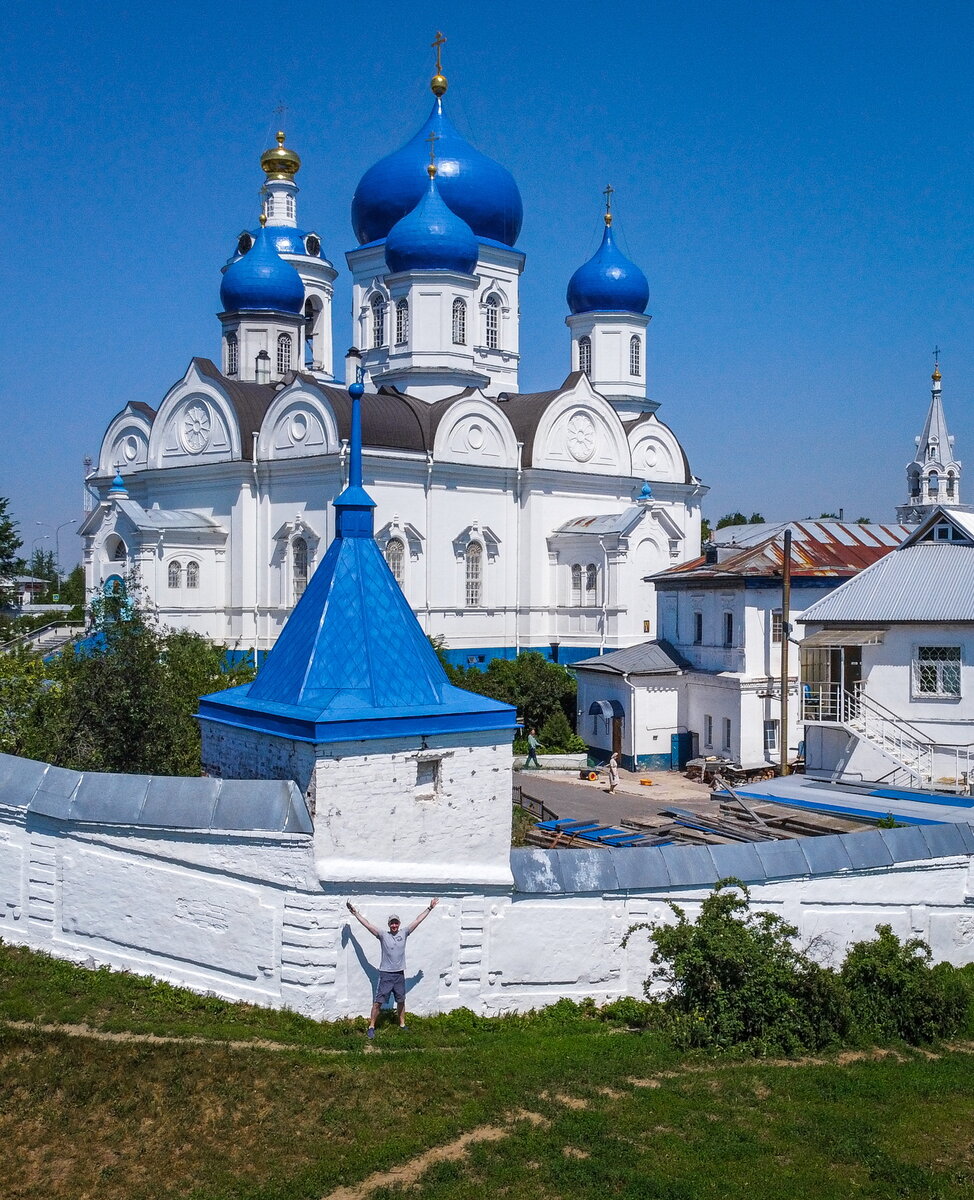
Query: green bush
[
  {"x": 895, "y": 992},
  {"x": 556, "y": 736}
]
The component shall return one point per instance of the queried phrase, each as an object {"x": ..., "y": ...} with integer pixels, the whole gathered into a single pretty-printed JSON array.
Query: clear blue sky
[{"x": 795, "y": 179}]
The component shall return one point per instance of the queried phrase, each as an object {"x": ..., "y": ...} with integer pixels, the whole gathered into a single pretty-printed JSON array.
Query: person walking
[
  {"x": 532, "y": 751},
  {"x": 392, "y": 962},
  {"x": 613, "y": 772}
]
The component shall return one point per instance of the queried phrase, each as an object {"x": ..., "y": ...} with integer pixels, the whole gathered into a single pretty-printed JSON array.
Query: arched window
[
  {"x": 231, "y": 354},
  {"x": 269, "y": 207},
  {"x": 933, "y": 483},
  {"x": 950, "y": 484},
  {"x": 634, "y": 355},
  {"x": 175, "y": 575},
  {"x": 311, "y": 311},
  {"x": 576, "y": 585},
  {"x": 585, "y": 355},
  {"x": 402, "y": 322},
  {"x": 119, "y": 552},
  {"x": 289, "y": 207},
  {"x": 378, "y": 322},
  {"x": 914, "y": 481},
  {"x": 283, "y": 353},
  {"x": 299, "y": 567},
  {"x": 192, "y": 574},
  {"x": 395, "y": 556},
  {"x": 262, "y": 367},
  {"x": 591, "y": 584},
  {"x": 492, "y": 323},
  {"x": 459, "y": 322},
  {"x": 474, "y": 559}
]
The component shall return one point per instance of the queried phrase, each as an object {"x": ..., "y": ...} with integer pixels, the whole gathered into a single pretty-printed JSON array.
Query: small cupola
[
  {"x": 261, "y": 280},
  {"x": 431, "y": 237}
]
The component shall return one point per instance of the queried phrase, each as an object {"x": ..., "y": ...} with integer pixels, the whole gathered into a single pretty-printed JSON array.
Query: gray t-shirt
[{"x": 393, "y": 950}]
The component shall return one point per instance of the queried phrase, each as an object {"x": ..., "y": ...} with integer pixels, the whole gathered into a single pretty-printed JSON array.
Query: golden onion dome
[
  {"x": 280, "y": 163},
  {"x": 936, "y": 376},
  {"x": 438, "y": 84}
]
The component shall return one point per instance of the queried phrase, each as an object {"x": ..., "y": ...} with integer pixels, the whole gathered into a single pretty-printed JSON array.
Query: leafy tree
[
  {"x": 536, "y": 687},
  {"x": 73, "y": 587},
  {"x": 125, "y": 701},
  {"x": 738, "y": 518},
  {"x": 43, "y": 565},
  {"x": 556, "y": 735},
  {"x": 704, "y": 530},
  {"x": 863, "y": 521},
  {"x": 10, "y": 543}
]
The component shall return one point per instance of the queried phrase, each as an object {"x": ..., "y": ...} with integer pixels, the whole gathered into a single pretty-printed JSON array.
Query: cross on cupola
[
  {"x": 607, "y": 193},
  {"x": 438, "y": 82},
  {"x": 432, "y": 139}
]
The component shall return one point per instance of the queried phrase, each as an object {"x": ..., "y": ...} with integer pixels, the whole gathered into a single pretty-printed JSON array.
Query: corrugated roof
[
  {"x": 607, "y": 523},
  {"x": 818, "y": 548},
  {"x": 167, "y": 518},
  {"x": 926, "y": 581},
  {"x": 648, "y": 658}
]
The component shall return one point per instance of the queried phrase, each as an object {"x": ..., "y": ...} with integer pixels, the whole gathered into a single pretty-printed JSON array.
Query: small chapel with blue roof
[{"x": 508, "y": 520}]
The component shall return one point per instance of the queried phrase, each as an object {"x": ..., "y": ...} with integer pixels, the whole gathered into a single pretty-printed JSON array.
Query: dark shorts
[{"x": 391, "y": 983}]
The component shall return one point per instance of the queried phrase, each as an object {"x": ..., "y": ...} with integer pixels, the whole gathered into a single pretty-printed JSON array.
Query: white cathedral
[{"x": 512, "y": 521}]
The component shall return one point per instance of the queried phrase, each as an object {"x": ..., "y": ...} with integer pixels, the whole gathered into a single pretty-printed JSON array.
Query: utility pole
[{"x": 785, "y": 636}]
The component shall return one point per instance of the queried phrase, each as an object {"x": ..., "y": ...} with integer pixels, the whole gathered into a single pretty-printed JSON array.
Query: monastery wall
[{"x": 245, "y": 913}]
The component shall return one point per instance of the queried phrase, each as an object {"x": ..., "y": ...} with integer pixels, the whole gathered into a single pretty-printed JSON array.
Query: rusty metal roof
[{"x": 818, "y": 548}]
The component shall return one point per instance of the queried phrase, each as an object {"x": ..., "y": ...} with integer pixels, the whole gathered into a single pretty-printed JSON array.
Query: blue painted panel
[
  {"x": 781, "y": 860},
  {"x": 534, "y": 871},
  {"x": 690, "y": 866},
  {"x": 825, "y": 854},
  {"x": 867, "y": 849},
  {"x": 905, "y": 844},
  {"x": 642, "y": 868},
  {"x": 943, "y": 839},
  {"x": 740, "y": 860}
]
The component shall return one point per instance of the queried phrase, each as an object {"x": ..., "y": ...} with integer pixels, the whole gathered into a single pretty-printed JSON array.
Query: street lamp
[{"x": 57, "y": 546}]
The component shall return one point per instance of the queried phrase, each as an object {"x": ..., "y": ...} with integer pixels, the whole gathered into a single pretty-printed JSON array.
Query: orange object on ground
[{"x": 646, "y": 782}]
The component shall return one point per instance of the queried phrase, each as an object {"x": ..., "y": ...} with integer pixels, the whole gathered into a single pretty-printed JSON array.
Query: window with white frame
[
  {"x": 492, "y": 323},
  {"x": 459, "y": 322},
  {"x": 289, "y": 207},
  {"x": 402, "y": 322},
  {"x": 395, "y": 556},
  {"x": 231, "y": 354},
  {"x": 728, "y": 629},
  {"x": 283, "y": 353},
  {"x": 698, "y": 628},
  {"x": 591, "y": 584},
  {"x": 708, "y": 730},
  {"x": 585, "y": 355},
  {"x": 726, "y": 744},
  {"x": 936, "y": 672},
  {"x": 576, "y": 585},
  {"x": 777, "y": 625},
  {"x": 192, "y": 574},
  {"x": 175, "y": 575},
  {"x": 635, "y": 355},
  {"x": 378, "y": 322},
  {"x": 299, "y": 567},
  {"x": 770, "y": 737},
  {"x": 474, "y": 564},
  {"x": 119, "y": 553}
]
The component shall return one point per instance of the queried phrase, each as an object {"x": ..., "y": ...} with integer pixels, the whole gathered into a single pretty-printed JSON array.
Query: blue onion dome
[
  {"x": 478, "y": 189},
  {"x": 261, "y": 279},
  {"x": 431, "y": 237},
  {"x": 608, "y": 282},
  {"x": 285, "y": 239}
]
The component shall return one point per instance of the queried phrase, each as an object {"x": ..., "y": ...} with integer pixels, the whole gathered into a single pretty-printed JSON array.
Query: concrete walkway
[{"x": 569, "y": 796}]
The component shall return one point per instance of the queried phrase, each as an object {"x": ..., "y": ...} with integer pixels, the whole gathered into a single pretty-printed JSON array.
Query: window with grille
[
  {"x": 728, "y": 629},
  {"x": 770, "y": 737},
  {"x": 727, "y": 734},
  {"x": 378, "y": 322},
  {"x": 231, "y": 354},
  {"x": 585, "y": 355},
  {"x": 698, "y": 628},
  {"x": 777, "y": 626},
  {"x": 283, "y": 353},
  {"x": 708, "y": 730},
  {"x": 936, "y": 671},
  {"x": 395, "y": 556},
  {"x": 299, "y": 566},
  {"x": 175, "y": 575},
  {"x": 402, "y": 322},
  {"x": 459, "y": 322},
  {"x": 192, "y": 574},
  {"x": 475, "y": 574},
  {"x": 576, "y": 585},
  {"x": 289, "y": 206},
  {"x": 492, "y": 323},
  {"x": 119, "y": 554},
  {"x": 635, "y": 355},
  {"x": 591, "y": 584}
]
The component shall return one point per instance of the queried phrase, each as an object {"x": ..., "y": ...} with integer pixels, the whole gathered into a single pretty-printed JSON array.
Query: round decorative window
[
  {"x": 581, "y": 437},
  {"x": 195, "y": 427},
  {"x": 312, "y": 244},
  {"x": 244, "y": 243},
  {"x": 299, "y": 427},
  {"x": 475, "y": 437},
  {"x": 130, "y": 448}
]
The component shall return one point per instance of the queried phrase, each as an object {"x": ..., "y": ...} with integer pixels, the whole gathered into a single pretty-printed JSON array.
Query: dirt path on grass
[{"x": 157, "y": 1039}]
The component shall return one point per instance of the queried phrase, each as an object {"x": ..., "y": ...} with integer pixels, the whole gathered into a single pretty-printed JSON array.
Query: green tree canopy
[
  {"x": 536, "y": 687},
  {"x": 738, "y": 518}
]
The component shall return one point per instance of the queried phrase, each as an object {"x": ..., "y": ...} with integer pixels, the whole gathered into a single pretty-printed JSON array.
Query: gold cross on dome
[
  {"x": 432, "y": 139},
  {"x": 437, "y": 42},
  {"x": 607, "y": 193}
]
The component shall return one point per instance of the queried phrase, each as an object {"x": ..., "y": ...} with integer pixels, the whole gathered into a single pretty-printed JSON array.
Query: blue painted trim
[
  {"x": 566, "y": 654},
  {"x": 652, "y": 762},
  {"x": 838, "y": 809}
]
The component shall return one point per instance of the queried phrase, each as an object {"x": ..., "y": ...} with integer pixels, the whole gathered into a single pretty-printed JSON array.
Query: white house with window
[
  {"x": 888, "y": 664},
  {"x": 511, "y": 520},
  {"x": 721, "y": 626}
]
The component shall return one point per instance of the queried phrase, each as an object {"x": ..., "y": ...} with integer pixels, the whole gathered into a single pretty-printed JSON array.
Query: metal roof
[
  {"x": 648, "y": 658},
  {"x": 818, "y": 548},
  {"x": 167, "y": 518},
  {"x": 153, "y": 801},
  {"x": 925, "y": 581},
  {"x": 668, "y": 868},
  {"x": 602, "y": 526}
]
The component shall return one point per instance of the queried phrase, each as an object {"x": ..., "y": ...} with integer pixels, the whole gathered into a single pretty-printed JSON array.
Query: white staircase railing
[{"x": 925, "y": 763}]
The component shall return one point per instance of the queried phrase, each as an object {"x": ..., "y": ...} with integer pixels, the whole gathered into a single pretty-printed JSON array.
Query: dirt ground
[{"x": 569, "y": 796}]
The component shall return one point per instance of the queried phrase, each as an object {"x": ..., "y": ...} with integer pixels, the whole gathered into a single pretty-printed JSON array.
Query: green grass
[{"x": 613, "y": 1113}]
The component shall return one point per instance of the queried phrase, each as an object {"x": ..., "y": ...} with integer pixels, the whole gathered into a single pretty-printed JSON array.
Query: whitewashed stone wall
[{"x": 250, "y": 918}]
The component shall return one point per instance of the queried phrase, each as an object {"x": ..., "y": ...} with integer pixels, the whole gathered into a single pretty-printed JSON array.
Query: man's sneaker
[
  {"x": 370, "y": 1033},
  {"x": 404, "y": 1027}
]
